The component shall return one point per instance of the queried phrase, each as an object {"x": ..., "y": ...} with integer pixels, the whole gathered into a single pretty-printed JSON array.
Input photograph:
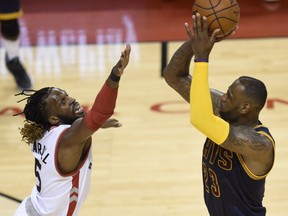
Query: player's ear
[
  {"x": 53, "y": 120},
  {"x": 246, "y": 108}
]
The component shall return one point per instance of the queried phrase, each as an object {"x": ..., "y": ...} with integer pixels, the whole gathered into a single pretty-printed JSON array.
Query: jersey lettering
[
  {"x": 212, "y": 154},
  {"x": 225, "y": 161},
  {"x": 37, "y": 168},
  {"x": 210, "y": 176},
  {"x": 40, "y": 149}
]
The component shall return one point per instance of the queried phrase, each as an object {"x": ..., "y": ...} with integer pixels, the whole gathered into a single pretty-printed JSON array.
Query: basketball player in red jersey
[
  {"x": 239, "y": 151},
  {"x": 10, "y": 12},
  {"x": 59, "y": 133}
]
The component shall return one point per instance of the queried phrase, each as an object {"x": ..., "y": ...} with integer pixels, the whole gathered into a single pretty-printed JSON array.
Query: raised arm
[
  {"x": 79, "y": 134},
  {"x": 176, "y": 73}
]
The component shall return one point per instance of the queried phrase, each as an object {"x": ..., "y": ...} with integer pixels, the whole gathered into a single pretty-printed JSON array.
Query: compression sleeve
[
  {"x": 201, "y": 110},
  {"x": 102, "y": 109}
]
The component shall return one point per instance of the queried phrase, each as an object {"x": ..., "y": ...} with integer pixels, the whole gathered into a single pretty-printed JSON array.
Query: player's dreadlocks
[{"x": 35, "y": 112}]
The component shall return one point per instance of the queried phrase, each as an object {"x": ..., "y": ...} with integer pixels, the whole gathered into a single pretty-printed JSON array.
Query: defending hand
[
  {"x": 111, "y": 122},
  {"x": 118, "y": 69}
]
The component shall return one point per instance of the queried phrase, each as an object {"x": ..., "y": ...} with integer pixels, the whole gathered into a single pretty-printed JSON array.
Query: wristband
[
  {"x": 200, "y": 60},
  {"x": 113, "y": 77}
]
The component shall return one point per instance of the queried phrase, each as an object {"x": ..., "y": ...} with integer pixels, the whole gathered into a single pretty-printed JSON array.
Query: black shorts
[{"x": 10, "y": 9}]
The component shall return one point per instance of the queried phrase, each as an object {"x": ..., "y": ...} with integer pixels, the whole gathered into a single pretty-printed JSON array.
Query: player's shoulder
[
  {"x": 264, "y": 131},
  {"x": 262, "y": 128},
  {"x": 55, "y": 131}
]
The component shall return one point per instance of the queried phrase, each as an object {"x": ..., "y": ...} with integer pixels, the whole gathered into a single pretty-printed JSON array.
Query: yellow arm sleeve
[{"x": 201, "y": 110}]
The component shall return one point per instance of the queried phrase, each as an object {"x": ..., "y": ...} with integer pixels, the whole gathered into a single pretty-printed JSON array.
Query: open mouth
[{"x": 77, "y": 108}]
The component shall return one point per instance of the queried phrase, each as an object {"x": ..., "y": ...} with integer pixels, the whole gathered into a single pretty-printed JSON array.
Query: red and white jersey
[{"x": 54, "y": 193}]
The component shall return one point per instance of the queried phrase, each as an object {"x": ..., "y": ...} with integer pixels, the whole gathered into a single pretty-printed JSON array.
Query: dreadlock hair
[
  {"x": 35, "y": 111},
  {"x": 256, "y": 89}
]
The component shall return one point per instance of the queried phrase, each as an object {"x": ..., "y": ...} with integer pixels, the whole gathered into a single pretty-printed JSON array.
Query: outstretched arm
[
  {"x": 75, "y": 137},
  {"x": 177, "y": 74}
]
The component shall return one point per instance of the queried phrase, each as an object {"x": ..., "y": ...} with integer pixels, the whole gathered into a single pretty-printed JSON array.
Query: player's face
[
  {"x": 65, "y": 108},
  {"x": 232, "y": 102}
]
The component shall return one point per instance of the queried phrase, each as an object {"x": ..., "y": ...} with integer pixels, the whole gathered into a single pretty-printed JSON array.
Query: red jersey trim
[
  {"x": 56, "y": 156},
  {"x": 74, "y": 194}
]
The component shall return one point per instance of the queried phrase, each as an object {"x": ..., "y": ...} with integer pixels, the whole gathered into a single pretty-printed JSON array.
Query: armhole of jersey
[
  {"x": 56, "y": 156},
  {"x": 245, "y": 167},
  {"x": 248, "y": 171}
]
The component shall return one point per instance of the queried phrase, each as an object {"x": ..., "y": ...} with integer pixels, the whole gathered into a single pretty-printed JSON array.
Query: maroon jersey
[
  {"x": 10, "y": 9},
  {"x": 230, "y": 188}
]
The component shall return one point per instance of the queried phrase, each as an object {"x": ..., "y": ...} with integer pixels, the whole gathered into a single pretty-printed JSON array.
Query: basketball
[{"x": 222, "y": 14}]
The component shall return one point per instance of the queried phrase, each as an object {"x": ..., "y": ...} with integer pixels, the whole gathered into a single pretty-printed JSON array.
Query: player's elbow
[
  {"x": 195, "y": 119},
  {"x": 168, "y": 76}
]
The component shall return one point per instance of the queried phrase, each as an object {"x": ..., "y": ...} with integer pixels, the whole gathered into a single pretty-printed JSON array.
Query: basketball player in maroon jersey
[{"x": 239, "y": 150}]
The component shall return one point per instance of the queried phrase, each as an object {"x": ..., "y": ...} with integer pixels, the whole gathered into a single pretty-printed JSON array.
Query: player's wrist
[
  {"x": 201, "y": 57},
  {"x": 114, "y": 77},
  {"x": 196, "y": 59}
]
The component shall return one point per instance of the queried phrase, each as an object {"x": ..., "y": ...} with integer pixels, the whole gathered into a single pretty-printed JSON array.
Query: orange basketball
[{"x": 222, "y": 14}]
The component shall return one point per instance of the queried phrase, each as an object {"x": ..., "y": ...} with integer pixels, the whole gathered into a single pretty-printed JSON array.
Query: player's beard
[
  {"x": 75, "y": 107},
  {"x": 68, "y": 120},
  {"x": 229, "y": 116}
]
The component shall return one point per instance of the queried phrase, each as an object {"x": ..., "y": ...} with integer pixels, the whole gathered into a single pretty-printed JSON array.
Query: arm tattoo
[
  {"x": 177, "y": 74},
  {"x": 180, "y": 61},
  {"x": 242, "y": 139}
]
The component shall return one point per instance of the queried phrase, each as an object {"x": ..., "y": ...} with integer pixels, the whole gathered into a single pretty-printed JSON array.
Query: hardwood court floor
[{"x": 151, "y": 165}]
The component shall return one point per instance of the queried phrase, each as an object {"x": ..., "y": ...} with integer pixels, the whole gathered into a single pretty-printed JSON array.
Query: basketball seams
[
  {"x": 217, "y": 20},
  {"x": 227, "y": 18},
  {"x": 208, "y": 7},
  {"x": 236, "y": 5},
  {"x": 222, "y": 14},
  {"x": 204, "y": 9}
]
